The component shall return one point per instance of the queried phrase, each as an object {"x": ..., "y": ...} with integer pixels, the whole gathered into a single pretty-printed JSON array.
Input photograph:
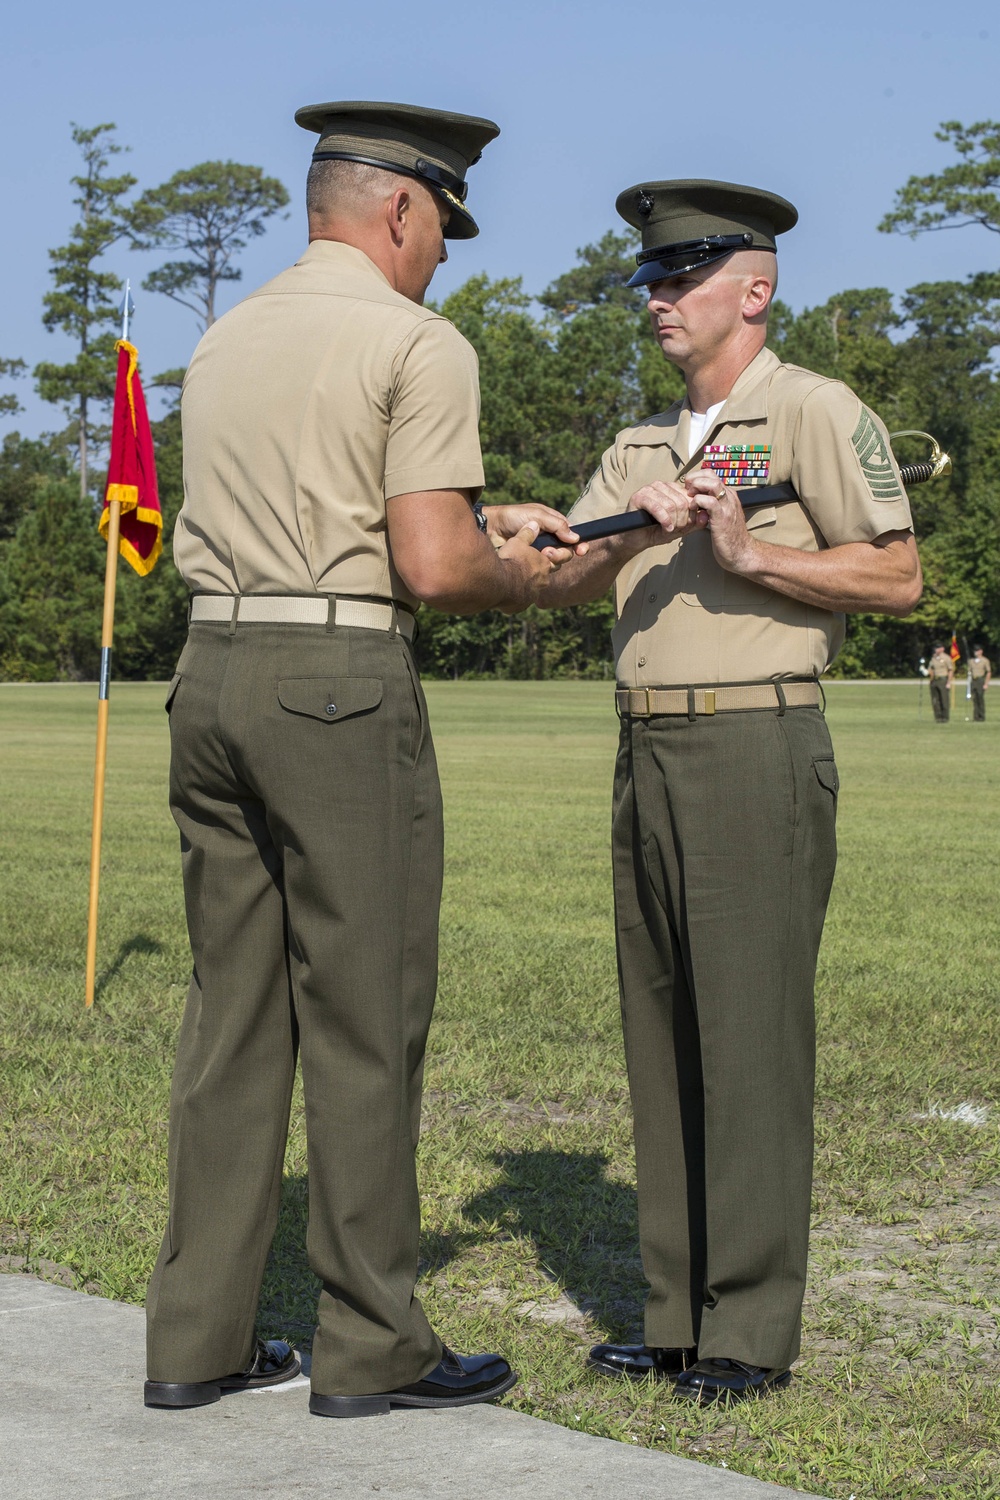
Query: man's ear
[
  {"x": 757, "y": 298},
  {"x": 396, "y": 210}
]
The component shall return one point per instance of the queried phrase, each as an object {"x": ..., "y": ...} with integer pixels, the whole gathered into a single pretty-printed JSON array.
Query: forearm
[
  {"x": 859, "y": 577},
  {"x": 445, "y": 560},
  {"x": 479, "y": 580},
  {"x": 586, "y": 578}
]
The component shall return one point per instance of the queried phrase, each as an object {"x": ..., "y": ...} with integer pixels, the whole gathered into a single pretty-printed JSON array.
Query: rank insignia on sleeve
[
  {"x": 876, "y": 465},
  {"x": 741, "y": 465}
]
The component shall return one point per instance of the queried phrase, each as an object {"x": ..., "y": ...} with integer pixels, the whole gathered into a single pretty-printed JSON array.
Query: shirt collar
[
  {"x": 746, "y": 402},
  {"x": 345, "y": 257}
]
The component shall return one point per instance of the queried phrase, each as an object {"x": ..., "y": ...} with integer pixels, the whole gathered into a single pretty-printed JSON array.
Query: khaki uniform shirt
[
  {"x": 681, "y": 617},
  {"x": 940, "y": 666},
  {"x": 980, "y": 666},
  {"x": 305, "y": 408}
]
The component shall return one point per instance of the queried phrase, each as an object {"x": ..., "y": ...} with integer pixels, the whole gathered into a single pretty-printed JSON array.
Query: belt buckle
[
  {"x": 649, "y": 702},
  {"x": 709, "y": 701}
]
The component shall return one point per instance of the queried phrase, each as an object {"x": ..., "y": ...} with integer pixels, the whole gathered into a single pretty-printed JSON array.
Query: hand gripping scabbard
[{"x": 770, "y": 494}]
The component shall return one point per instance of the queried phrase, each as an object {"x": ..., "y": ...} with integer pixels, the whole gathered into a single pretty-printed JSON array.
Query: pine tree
[
  {"x": 209, "y": 212},
  {"x": 83, "y": 303}
]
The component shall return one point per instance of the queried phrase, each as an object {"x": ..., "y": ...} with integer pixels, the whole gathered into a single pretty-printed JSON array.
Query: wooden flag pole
[
  {"x": 101, "y": 761},
  {"x": 107, "y": 632}
]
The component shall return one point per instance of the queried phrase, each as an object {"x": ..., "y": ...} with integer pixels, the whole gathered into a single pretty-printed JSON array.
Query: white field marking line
[
  {"x": 272, "y": 1390},
  {"x": 962, "y": 1114}
]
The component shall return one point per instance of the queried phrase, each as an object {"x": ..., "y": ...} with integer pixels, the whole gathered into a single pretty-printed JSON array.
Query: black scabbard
[
  {"x": 768, "y": 494},
  {"x": 630, "y": 520}
]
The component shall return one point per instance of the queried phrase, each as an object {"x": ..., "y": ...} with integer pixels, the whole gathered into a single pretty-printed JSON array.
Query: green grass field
[{"x": 529, "y": 1202}]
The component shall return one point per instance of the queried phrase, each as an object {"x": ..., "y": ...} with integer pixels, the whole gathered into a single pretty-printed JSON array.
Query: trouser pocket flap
[
  {"x": 826, "y": 770},
  {"x": 329, "y": 698}
]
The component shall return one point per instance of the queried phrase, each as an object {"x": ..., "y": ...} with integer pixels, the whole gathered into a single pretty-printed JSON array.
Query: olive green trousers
[
  {"x": 724, "y": 853},
  {"x": 305, "y": 788},
  {"x": 941, "y": 699}
]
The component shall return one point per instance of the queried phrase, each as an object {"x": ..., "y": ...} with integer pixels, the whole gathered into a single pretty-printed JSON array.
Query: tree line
[{"x": 561, "y": 373}]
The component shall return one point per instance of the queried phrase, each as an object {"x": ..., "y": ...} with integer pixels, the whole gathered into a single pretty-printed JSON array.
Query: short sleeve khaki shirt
[
  {"x": 980, "y": 667},
  {"x": 681, "y": 617},
  {"x": 940, "y": 665},
  {"x": 305, "y": 408}
]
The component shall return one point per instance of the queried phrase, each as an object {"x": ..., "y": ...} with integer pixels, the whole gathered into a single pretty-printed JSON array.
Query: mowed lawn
[{"x": 529, "y": 1201}]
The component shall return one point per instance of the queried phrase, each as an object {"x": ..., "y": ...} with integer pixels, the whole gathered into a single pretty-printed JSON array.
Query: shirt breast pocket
[{"x": 702, "y": 580}]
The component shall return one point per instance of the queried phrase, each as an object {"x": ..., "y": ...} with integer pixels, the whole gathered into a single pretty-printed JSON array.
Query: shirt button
[
  {"x": 331, "y": 709},
  {"x": 652, "y": 598},
  {"x": 642, "y": 661}
]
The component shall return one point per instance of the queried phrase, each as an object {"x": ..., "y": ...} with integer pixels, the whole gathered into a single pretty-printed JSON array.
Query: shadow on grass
[
  {"x": 140, "y": 943},
  {"x": 583, "y": 1224}
]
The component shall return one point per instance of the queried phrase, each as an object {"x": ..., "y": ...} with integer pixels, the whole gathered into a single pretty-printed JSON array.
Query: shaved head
[
  {"x": 748, "y": 266},
  {"x": 339, "y": 190},
  {"x": 393, "y": 218}
]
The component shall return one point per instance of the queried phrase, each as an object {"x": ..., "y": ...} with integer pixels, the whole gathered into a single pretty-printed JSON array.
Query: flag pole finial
[{"x": 126, "y": 308}]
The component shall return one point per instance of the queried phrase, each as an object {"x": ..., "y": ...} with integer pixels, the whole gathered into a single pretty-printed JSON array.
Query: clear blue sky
[{"x": 832, "y": 106}]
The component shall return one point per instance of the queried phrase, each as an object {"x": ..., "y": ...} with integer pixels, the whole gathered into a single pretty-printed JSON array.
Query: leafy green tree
[
  {"x": 209, "y": 212},
  {"x": 555, "y": 391},
  {"x": 963, "y": 194},
  {"x": 83, "y": 303},
  {"x": 27, "y": 466},
  {"x": 51, "y": 586},
  {"x": 599, "y": 277},
  {"x": 12, "y": 369}
]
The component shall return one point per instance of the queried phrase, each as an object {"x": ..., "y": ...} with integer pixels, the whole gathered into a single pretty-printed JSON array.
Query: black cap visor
[
  {"x": 461, "y": 225},
  {"x": 664, "y": 261}
]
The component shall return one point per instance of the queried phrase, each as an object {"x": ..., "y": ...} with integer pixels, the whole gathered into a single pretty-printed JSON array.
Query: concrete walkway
[{"x": 74, "y": 1428}]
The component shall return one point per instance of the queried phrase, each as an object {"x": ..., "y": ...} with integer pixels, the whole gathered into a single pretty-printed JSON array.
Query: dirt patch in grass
[{"x": 919, "y": 1291}]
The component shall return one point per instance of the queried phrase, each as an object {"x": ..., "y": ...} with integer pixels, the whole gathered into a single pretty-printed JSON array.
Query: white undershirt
[{"x": 701, "y": 421}]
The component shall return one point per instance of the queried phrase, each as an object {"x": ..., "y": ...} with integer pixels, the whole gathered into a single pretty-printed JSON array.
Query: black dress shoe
[
  {"x": 636, "y": 1361},
  {"x": 459, "y": 1380},
  {"x": 273, "y": 1363},
  {"x": 729, "y": 1380}
]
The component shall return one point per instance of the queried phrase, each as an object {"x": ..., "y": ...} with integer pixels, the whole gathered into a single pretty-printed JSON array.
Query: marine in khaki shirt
[
  {"x": 981, "y": 673},
  {"x": 726, "y": 786},
  {"x": 681, "y": 616},
  {"x": 331, "y": 458},
  {"x": 315, "y": 401},
  {"x": 941, "y": 671}
]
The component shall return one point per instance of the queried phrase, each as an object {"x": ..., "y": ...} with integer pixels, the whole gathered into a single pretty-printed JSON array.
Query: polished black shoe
[
  {"x": 459, "y": 1380},
  {"x": 637, "y": 1361},
  {"x": 728, "y": 1380},
  {"x": 273, "y": 1363}
]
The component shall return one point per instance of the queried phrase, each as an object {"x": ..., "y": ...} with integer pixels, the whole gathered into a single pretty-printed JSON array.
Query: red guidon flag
[
  {"x": 132, "y": 469},
  {"x": 953, "y": 650}
]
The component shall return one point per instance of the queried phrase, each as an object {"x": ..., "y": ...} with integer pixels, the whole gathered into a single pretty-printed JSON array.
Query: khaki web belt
[
  {"x": 644, "y": 703},
  {"x": 293, "y": 609}
]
